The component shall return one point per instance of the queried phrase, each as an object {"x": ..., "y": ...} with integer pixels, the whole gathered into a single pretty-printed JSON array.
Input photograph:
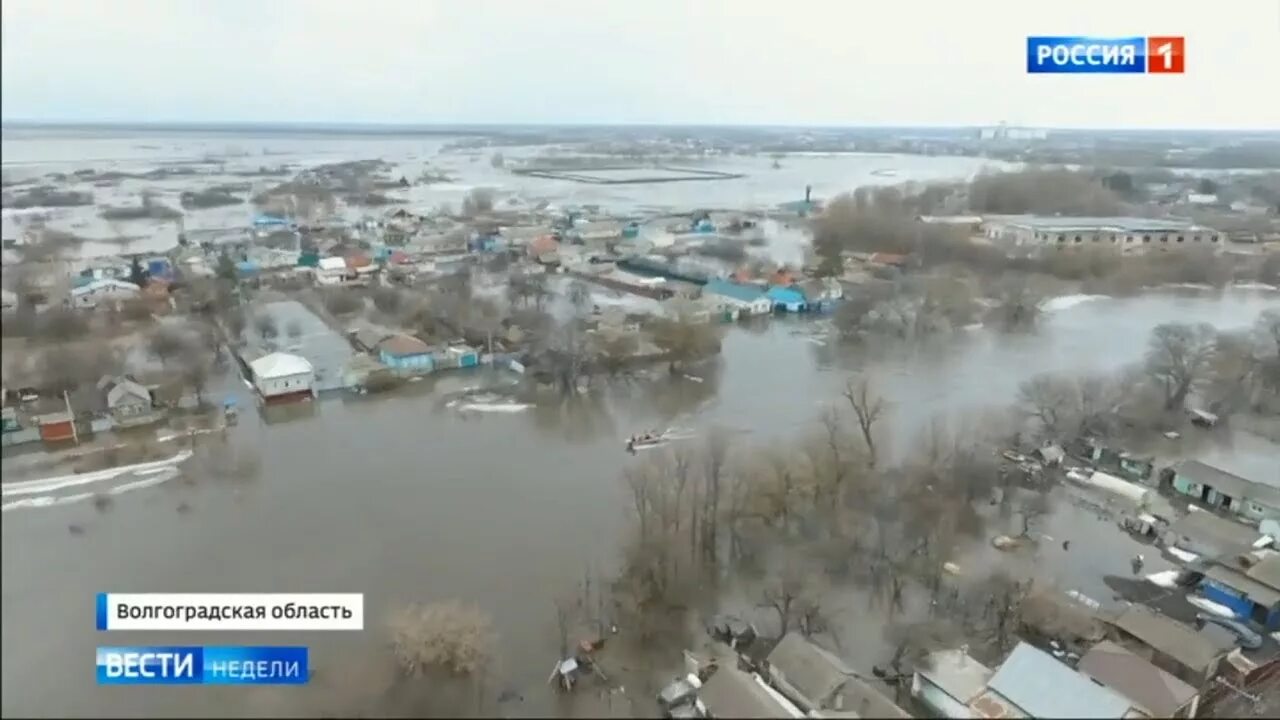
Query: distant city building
[
  {"x": 1126, "y": 234},
  {"x": 1004, "y": 132}
]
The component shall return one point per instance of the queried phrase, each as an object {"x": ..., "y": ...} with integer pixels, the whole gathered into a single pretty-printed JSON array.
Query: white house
[
  {"x": 281, "y": 375},
  {"x": 105, "y": 290},
  {"x": 332, "y": 271}
]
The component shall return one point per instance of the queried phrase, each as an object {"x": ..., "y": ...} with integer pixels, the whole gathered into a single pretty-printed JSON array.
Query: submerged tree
[
  {"x": 1178, "y": 359},
  {"x": 449, "y": 636}
]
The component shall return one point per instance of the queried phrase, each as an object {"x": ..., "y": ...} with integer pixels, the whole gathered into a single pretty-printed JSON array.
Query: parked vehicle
[{"x": 1249, "y": 639}]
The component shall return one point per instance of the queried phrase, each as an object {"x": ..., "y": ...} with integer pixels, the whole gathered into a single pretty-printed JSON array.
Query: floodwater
[
  {"x": 408, "y": 497},
  {"x": 404, "y": 498},
  {"x": 222, "y": 158}
]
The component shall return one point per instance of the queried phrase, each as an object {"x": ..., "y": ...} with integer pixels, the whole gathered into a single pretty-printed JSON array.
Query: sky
[{"x": 719, "y": 62}]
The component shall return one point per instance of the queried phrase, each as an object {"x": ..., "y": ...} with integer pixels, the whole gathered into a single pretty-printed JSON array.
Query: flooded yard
[{"x": 405, "y": 497}]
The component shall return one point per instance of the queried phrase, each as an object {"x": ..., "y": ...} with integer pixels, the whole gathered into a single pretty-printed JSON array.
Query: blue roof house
[
  {"x": 405, "y": 354},
  {"x": 749, "y": 299},
  {"x": 788, "y": 299}
]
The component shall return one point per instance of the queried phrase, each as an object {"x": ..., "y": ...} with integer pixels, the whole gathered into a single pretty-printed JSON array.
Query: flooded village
[{"x": 650, "y": 426}]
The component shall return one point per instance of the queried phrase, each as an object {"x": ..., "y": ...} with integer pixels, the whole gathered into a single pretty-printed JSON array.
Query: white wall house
[
  {"x": 280, "y": 374},
  {"x": 99, "y": 291},
  {"x": 332, "y": 271}
]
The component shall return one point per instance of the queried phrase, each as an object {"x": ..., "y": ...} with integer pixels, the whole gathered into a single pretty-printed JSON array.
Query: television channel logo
[
  {"x": 1151, "y": 55},
  {"x": 212, "y": 665}
]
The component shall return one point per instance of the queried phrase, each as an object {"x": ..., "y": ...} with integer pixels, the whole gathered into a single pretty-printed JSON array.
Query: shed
[
  {"x": 806, "y": 673},
  {"x": 949, "y": 681},
  {"x": 732, "y": 693},
  {"x": 1040, "y": 686},
  {"x": 1156, "y": 691},
  {"x": 56, "y": 427},
  {"x": 1228, "y": 491},
  {"x": 1204, "y": 533},
  {"x": 1168, "y": 644}
]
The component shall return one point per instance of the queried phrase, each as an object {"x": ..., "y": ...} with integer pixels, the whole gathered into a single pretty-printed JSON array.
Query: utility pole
[{"x": 75, "y": 434}]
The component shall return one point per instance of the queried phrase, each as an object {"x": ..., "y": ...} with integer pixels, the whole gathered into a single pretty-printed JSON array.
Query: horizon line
[{"x": 442, "y": 126}]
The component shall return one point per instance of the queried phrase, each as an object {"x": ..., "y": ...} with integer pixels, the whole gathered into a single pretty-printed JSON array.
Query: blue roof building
[
  {"x": 790, "y": 299},
  {"x": 747, "y": 298}
]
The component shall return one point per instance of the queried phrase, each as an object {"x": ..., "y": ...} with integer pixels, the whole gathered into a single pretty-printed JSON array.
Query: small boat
[{"x": 646, "y": 440}]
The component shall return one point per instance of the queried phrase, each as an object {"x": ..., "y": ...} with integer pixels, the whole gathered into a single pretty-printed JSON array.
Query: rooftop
[
  {"x": 743, "y": 293},
  {"x": 1169, "y": 637},
  {"x": 1204, "y": 525},
  {"x": 731, "y": 693},
  {"x": 1117, "y": 224},
  {"x": 1043, "y": 687},
  {"x": 957, "y": 674},
  {"x": 813, "y": 672},
  {"x": 1158, "y": 692},
  {"x": 279, "y": 364},
  {"x": 1228, "y": 483},
  {"x": 401, "y": 344}
]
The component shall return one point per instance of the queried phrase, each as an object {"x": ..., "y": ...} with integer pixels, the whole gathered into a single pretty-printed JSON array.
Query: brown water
[{"x": 402, "y": 498}]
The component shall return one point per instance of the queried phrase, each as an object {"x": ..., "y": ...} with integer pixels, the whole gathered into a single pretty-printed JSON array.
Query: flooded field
[{"x": 414, "y": 497}]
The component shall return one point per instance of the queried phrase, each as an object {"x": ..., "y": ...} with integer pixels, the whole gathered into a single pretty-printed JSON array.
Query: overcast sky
[{"x": 809, "y": 62}]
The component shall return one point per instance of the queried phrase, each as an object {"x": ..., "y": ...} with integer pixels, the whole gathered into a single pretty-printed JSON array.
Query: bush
[{"x": 448, "y": 636}]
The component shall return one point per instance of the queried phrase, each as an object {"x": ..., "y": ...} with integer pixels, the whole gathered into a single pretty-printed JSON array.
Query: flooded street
[{"x": 403, "y": 498}]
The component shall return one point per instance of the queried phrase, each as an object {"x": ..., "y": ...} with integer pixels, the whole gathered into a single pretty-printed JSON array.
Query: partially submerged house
[
  {"x": 1156, "y": 692},
  {"x": 1222, "y": 490},
  {"x": 281, "y": 377},
  {"x": 787, "y": 298},
  {"x": 405, "y": 354},
  {"x": 1168, "y": 644},
  {"x": 817, "y": 681},
  {"x": 749, "y": 299},
  {"x": 128, "y": 402}
]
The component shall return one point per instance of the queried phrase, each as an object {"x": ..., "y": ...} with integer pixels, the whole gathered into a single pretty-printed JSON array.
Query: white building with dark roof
[{"x": 1128, "y": 235}]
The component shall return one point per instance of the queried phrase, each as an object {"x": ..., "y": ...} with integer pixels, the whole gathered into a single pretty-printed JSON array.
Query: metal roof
[
  {"x": 743, "y": 293},
  {"x": 1204, "y": 525},
  {"x": 957, "y": 674},
  {"x": 1167, "y": 636},
  {"x": 279, "y": 365},
  {"x": 731, "y": 693},
  {"x": 1228, "y": 483},
  {"x": 1043, "y": 687},
  {"x": 1258, "y": 592},
  {"x": 813, "y": 672},
  {"x": 1158, "y": 692}
]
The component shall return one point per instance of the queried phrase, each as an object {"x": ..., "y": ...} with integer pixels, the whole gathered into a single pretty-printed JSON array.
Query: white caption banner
[{"x": 230, "y": 611}]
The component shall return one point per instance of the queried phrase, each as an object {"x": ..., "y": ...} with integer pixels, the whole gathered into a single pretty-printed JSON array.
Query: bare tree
[
  {"x": 196, "y": 363},
  {"x": 477, "y": 202},
  {"x": 1047, "y": 397},
  {"x": 1178, "y": 359},
  {"x": 497, "y": 161},
  {"x": 868, "y": 407},
  {"x": 579, "y": 295},
  {"x": 266, "y": 326},
  {"x": 794, "y": 592},
  {"x": 685, "y": 340},
  {"x": 165, "y": 343},
  {"x": 1033, "y": 508},
  {"x": 449, "y": 636}
]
